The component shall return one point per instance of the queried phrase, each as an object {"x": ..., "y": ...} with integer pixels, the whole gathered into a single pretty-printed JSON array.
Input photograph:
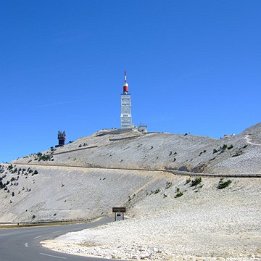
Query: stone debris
[{"x": 209, "y": 225}]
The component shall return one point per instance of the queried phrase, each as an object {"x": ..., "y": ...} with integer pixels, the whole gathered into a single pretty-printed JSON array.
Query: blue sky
[{"x": 193, "y": 66}]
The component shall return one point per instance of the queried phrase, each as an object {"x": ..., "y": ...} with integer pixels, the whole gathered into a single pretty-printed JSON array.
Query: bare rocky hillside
[
  {"x": 84, "y": 179},
  {"x": 158, "y": 151}
]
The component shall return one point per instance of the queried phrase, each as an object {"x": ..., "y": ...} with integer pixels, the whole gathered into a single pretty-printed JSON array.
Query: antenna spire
[{"x": 125, "y": 76}]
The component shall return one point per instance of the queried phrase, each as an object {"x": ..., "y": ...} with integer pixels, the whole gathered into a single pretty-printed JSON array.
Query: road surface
[
  {"x": 249, "y": 141},
  {"x": 23, "y": 244}
]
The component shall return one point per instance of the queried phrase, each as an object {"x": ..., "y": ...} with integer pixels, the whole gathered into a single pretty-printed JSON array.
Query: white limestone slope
[
  {"x": 85, "y": 179},
  {"x": 134, "y": 150},
  {"x": 205, "y": 223},
  {"x": 63, "y": 193}
]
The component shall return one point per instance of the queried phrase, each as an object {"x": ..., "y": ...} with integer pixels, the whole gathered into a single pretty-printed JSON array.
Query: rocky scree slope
[
  {"x": 85, "y": 178},
  {"x": 182, "y": 219},
  {"x": 62, "y": 193},
  {"x": 158, "y": 151}
]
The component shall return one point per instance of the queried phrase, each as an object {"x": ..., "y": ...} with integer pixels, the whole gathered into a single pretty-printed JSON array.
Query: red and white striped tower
[
  {"x": 126, "y": 119},
  {"x": 125, "y": 85}
]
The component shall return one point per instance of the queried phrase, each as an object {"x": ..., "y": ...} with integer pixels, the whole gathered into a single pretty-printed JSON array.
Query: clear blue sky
[{"x": 193, "y": 66}]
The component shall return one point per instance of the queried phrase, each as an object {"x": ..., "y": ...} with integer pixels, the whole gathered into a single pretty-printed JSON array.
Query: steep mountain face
[
  {"x": 86, "y": 178},
  {"x": 158, "y": 151},
  {"x": 62, "y": 193},
  {"x": 254, "y": 130}
]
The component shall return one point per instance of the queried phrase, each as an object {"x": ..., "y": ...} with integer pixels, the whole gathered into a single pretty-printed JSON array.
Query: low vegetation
[
  {"x": 204, "y": 151},
  {"x": 223, "y": 184},
  {"x": 168, "y": 185},
  {"x": 237, "y": 153},
  {"x": 223, "y": 148},
  {"x": 196, "y": 181},
  {"x": 11, "y": 176},
  {"x": 43, "y": 157},
  {"x": 155, "y": 191},
  {"x": 179, "y": 194},
  {"x": 183, "y": 168},
  {"x": 35, "y": 172}
]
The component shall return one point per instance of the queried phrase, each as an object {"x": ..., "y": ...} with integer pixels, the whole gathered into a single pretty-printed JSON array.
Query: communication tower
[{"x": 126, "y": 119}]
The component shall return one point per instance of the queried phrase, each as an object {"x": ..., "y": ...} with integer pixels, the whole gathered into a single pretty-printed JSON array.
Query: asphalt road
[{"x": 23, "y": 244}]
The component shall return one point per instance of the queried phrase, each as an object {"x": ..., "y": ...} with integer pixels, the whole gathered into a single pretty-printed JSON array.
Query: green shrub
[
  {"x": 204, "y": 151},
  {"x": 168, "y": 184},
  {"x": 223, "y": 184},
  {"x": 183, "y": 168},
  {"x": 10, "y": 167},
  {"x": 155, "y": 191},
  {"x": 2, "y": 185},
  {"x": 43, "y": 157},
  {"x": 224, "y": 147},
  {"x": 179, "y": 194},
  {"x": 196, "y": 181},
  {"x": 35, "y": 172},
  {"x": 237, "y": 153}
]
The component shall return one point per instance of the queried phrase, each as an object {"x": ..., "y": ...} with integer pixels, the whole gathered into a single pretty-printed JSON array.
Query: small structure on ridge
[{"x": 61, "y": 138}]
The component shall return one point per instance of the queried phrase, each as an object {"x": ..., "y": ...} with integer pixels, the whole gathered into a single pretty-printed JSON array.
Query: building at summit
[{"x": 126, "y": 118}]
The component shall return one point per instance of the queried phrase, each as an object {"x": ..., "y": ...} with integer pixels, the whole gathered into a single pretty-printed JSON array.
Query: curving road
[
  {"x": 249, "y": 141},
  {"x": 23, "y": 244}
]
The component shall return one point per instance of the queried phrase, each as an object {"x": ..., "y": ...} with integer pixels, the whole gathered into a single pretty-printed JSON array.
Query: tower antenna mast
[
  {"x": 126, "y": 119},
  {"x": 125, "y": 76}
]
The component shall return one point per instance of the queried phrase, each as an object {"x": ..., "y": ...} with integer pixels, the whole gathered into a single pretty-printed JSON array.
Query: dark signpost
[{"x": 119, "y": 213}]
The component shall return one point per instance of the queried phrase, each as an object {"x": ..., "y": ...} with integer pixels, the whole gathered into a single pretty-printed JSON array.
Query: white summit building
[{"x": 126, "y": 119}]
